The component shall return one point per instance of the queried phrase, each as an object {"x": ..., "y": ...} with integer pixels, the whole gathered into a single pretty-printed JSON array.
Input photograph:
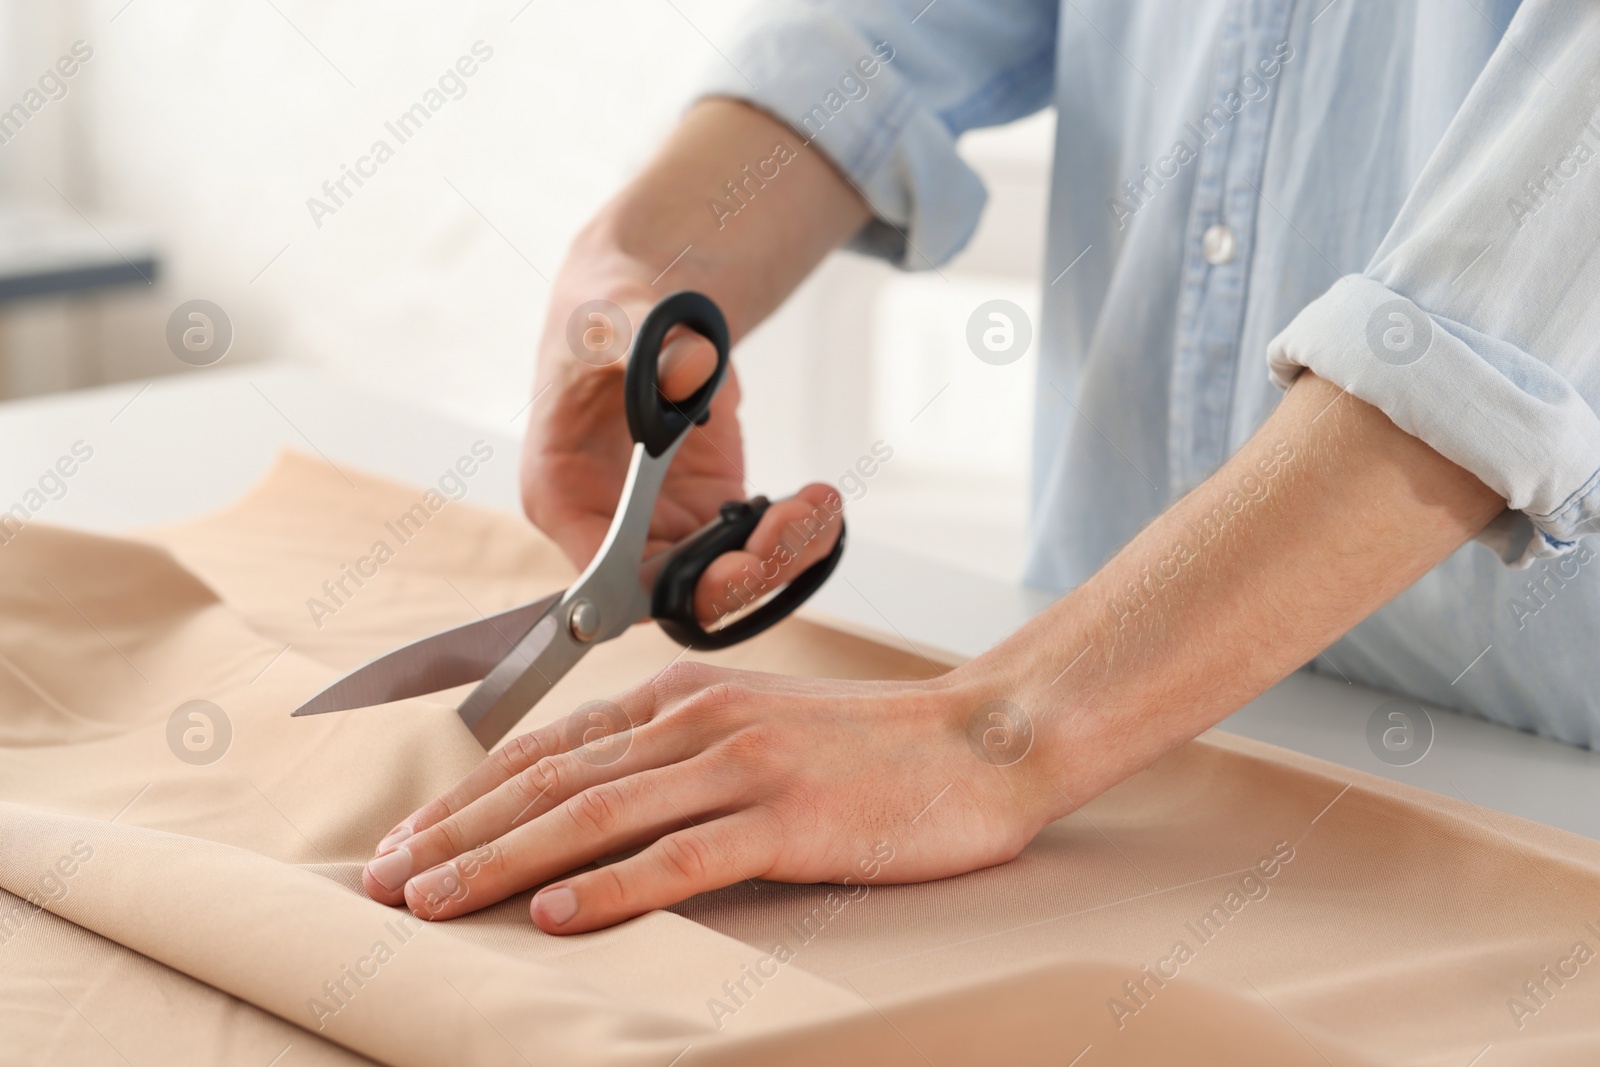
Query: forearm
[
  {"x": 789, "y": 208},
  {"x": 1324, "y": 515}
]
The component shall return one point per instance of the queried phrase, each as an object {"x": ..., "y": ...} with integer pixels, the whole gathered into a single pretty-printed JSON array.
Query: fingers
[
  {"x": 512, "y": 758},
  {"x": 792, "y": 535},
  {"x": 534, "y": 772},
  {"x": 515, "y": 757},
  {"x": 603, "y": 820},
  {"x": 687, "y": 362},
  {"x": 538, "y": 788},
  {"x": 676, "y": 867}
]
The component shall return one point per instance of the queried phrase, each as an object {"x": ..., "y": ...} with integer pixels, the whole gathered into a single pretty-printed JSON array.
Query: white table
[{"x": 181, "y": 446}]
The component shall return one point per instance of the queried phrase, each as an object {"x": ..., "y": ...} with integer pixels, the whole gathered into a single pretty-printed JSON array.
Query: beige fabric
[{"x": 206, "y": 906}]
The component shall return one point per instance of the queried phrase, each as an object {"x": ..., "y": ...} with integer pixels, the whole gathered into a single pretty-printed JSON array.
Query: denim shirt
[{"x": 1402, "y": 195}]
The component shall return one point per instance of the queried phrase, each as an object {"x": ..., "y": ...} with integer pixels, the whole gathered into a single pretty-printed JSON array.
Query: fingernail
[
  {"x": 558, "y": 904},
  {"x": 433, "y": 888},
  {"x": 397, "y": 835},
  {"x": 392, "y": 870}
]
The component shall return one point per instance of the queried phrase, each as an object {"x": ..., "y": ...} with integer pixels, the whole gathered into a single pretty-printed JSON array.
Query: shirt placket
[{"x": 1218, "y": 241}]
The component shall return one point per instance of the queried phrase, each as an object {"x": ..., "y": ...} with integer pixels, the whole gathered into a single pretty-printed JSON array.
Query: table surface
[{"x": 181, "y": 446}]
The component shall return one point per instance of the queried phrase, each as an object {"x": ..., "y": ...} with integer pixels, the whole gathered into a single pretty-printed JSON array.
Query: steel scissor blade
[
  {"x": 520, "y": 680},
  {"x": 452, "y": 657}
]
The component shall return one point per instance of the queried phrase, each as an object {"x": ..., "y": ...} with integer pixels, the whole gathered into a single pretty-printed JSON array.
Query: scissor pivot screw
[{"x": 583, "y": 619}]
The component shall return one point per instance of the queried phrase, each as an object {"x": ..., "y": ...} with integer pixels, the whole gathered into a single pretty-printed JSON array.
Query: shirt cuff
[
  {"x": 808, "y": 68},
  {"x": 1488, "y": 406}
]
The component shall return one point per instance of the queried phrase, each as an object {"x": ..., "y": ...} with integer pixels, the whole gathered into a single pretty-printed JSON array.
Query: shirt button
[{"x": 1218, "y": 245}]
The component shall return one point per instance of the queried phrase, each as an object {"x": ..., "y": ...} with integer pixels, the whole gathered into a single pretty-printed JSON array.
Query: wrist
[
  {"x": 628, "y": 240},
  {"x": 1094, "y": 706},
  {"x": 1021, "y": 733}
]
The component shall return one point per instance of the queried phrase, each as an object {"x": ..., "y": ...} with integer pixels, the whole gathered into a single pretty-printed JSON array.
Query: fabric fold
[{"x": 162, "y": 903}]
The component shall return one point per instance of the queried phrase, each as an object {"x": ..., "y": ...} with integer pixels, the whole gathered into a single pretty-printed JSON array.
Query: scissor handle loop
[
  {"x": 672, "y": 600},
  {"x": 655, "y": 421}
]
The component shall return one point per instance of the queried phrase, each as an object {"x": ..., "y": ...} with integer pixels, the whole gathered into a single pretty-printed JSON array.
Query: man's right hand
[
  {"x": 657, "y": 237},
  {"x": 576, "y": 453}
]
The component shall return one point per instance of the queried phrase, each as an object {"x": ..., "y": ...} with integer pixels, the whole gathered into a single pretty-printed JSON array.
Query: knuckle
[
  {"x": 684, "y": 676},
  {"x": 544, "y": 778},
  {"x": 745, "y": 750},
  {"x": 520, "y": 753},
  {"x": 449, "y": 835},
  {"x": 547, "y": 776},
  {"x": 612, "y": 888},
  {"x": 754, "y": 738},
  {"x": 687, "y": 855},
  {"x": 430, "y": 813},
  {"x": 451, "y": 803},
  {"x": 485, "y": 861},
  {"x": 716, "y": 702},
  {"x": 456, "y": 881},
  {"x": 597, "y": 810}
]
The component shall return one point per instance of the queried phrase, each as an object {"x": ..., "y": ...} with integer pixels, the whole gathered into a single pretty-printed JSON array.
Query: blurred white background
[{"x": 204, "y": 127}]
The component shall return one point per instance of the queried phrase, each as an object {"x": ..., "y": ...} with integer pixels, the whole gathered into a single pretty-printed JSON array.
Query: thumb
[{"x": 687, "y": 362}]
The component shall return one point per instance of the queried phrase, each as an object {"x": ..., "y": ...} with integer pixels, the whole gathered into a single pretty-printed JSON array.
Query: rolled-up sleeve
[
  {"x": 936, "y": 70},
  {"x": 1476, "y": 328}
]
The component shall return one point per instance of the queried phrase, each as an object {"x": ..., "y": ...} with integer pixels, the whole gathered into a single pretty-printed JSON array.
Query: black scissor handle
[
  {"x": 672, "y": 599},
  {"x": 655, "y": 421}
]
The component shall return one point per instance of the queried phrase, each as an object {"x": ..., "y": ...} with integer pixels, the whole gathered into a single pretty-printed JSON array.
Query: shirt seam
[
  {"x": 1003, "y": 86},
  {"x": 1572, "y": 502}
]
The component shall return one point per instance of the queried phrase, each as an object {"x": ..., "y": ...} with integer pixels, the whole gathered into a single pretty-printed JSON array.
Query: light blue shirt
[{"x": 1402, "y": 195}]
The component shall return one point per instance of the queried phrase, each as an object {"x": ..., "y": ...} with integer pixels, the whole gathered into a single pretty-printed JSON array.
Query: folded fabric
[{"x": 180, "y": 860}]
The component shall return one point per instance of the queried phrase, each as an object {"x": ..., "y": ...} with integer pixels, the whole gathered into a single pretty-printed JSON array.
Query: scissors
[{"x": 520, "y": 653}]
